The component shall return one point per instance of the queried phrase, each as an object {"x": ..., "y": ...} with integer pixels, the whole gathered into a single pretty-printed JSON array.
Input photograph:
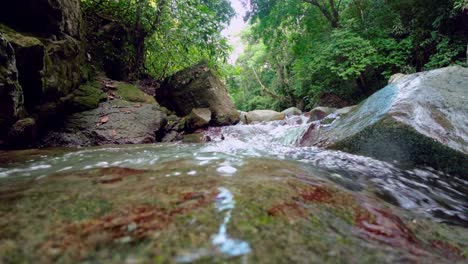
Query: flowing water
[{"x": 234, "y": 156}]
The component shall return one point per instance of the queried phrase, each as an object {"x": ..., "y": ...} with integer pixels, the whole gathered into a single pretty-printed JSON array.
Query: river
[{"x": 248, "y": 191}]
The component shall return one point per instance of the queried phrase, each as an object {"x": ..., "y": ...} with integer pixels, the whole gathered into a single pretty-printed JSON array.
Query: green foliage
[
  {"x": 302, "y": 49},
  {"x": 176, "y": 33}
]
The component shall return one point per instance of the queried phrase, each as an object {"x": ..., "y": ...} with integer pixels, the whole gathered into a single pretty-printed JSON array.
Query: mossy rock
[
  {"x": 131, "y": 93},
  {"x": 88, "y": 96},
  {"x": 18, "y": 38}
]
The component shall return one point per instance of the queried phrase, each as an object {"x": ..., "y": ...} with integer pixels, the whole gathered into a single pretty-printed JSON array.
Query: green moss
[
  {"x": 18, "y": 38},
  {"x": 88, "y": 96},
  {"x": 130, "y": 92},
  {"x": 83, "y": 209}
]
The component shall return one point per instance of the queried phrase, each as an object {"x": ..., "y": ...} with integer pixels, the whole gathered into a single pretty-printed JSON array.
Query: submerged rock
[
  {"x": 264, "y": 116},
  {"x": 115, "y": 122},
  {"x": 420, "y": 119},
  {"x": 198, "y": 87},
  {"x": 205, "y": 209}
]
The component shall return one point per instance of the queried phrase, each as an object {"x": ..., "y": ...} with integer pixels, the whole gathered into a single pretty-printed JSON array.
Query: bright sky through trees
[{"x": 232, "y": 32}]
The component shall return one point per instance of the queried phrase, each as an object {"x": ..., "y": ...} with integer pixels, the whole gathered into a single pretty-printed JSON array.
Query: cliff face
[{"x": 42, "y": 62}]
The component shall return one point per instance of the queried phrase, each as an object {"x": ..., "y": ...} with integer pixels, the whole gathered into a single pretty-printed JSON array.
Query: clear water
[{"x": 423, "y": 190}]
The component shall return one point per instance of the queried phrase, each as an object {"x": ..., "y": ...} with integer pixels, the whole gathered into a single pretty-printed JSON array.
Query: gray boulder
[
  {"x": 198, "y": 87},
  {"x": 420, "y": 119},
  {"x": 264, "y": 116},
  {"x": 198, "y": 118},
  {"x": 319, "y": 113},
  {"x": 292, "y": 111},
  {"x": 243, "y": 116},
  {"x": 116, "y": 122}
]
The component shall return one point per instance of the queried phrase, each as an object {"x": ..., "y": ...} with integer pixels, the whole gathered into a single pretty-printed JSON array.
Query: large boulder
[
  {"x": 43, "y": 62},
  {"x": 419, "y": 119},
  {"x": 264, "y": 116},
  {"x": 198, "y": 87},
  {"x": 292, "y": 111},
  {"x": 11, "y": 94},
  {"x": 114, "y": 122}
]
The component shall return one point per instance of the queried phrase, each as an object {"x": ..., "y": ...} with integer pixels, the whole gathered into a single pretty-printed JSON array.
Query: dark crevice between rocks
[{"x": 30, "y": 63}]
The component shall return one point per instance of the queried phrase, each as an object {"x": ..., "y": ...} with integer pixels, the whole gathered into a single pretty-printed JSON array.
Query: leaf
[{"x": 103, "y": 120}]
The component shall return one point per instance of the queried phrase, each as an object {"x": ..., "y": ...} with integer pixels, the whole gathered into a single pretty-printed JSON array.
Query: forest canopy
[
  {"x": 169, "y": 35},
  {"x": 297, "y": 52}
]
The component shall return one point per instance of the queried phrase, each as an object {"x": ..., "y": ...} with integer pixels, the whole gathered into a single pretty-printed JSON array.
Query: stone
[
  {"x": 11, "y": 94},
  {"x": 243, "y": 116},
  {"x": 114, "y": 122},
  {"x": 130, "y": 92},
  {"x": 87, "y": 97},
  {"x": 198, "y": 87},
  {"x": 396, "y": 77},
  {"x": 49, "y": 61},
  {"x": 319, "y": 113},
  {"x": 23, "y": 132},
  {"x": 264, "y": 116},
  {"x": 198, "y": 118},
  {"x": 345, "y": 110},
  {"x": 420, "y": 119},
  {"x": 29, "y": 53},
  {"x": 292, "y": 111},
  {"x": 196, "y": 138}
]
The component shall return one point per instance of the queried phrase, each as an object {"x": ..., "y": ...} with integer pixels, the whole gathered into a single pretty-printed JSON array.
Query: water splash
[
  {"x": 225, "y": 244},
  {"x": 221, "y": 241}
]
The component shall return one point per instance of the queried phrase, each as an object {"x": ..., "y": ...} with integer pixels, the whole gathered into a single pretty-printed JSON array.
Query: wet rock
[
  {"x": 345, "y": 110},
  {"x": 319, "y": 113},
  {"x": 262, "y": 211},
  {"x": 115, "y": 122},
  {"x": 420, "y": 119},
  {"x": 292, "y": 111},
  {"x": 198, "y": 118},
  {"x": 264, "y": 116},
  {"x": 198, "y": 87},
  {"x": 196, "y": 138}
]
